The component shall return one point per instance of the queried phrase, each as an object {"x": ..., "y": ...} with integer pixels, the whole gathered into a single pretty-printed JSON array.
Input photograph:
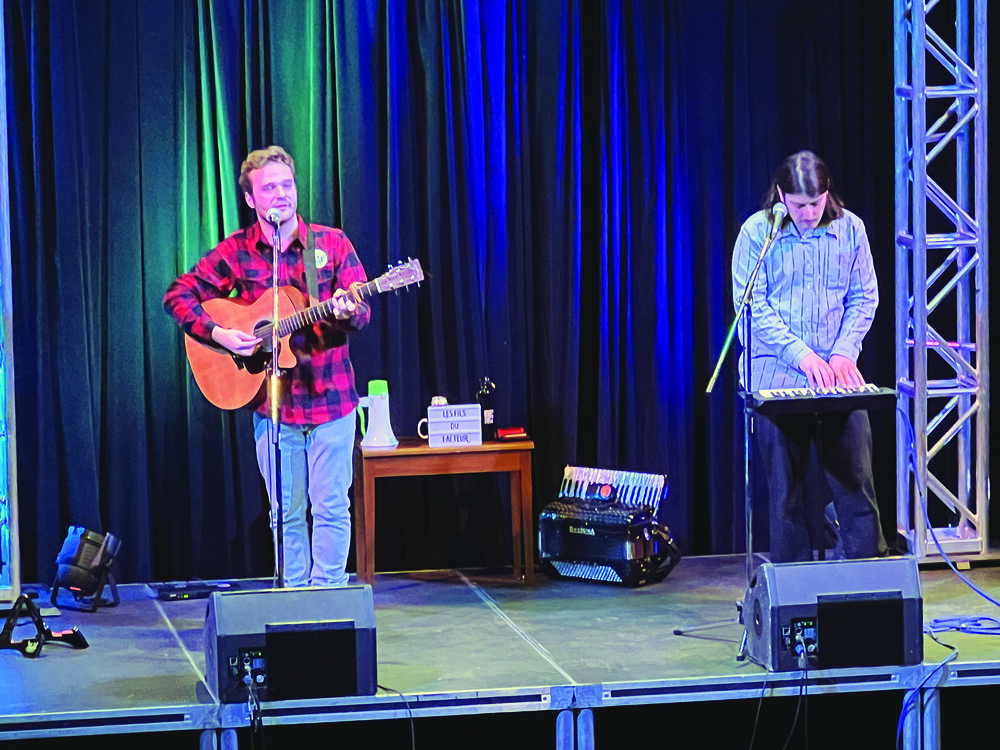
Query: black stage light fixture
[{"x": 84, "y": 568}]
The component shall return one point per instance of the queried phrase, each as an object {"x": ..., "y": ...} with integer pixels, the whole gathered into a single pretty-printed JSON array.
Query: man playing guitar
[{"x": 317, "y": 395}]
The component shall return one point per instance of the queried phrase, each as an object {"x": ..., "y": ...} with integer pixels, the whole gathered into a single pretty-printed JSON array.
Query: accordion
[{"x": 604, "y": 527}]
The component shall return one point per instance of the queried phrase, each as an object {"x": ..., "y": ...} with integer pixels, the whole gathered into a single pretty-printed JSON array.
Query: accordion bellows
[{"x": 604, "y": 527}]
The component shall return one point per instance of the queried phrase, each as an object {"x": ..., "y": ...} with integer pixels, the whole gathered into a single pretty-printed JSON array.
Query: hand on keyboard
[
  {"x": 821, "y": 375},
  {"x": 847, "y": 373}
]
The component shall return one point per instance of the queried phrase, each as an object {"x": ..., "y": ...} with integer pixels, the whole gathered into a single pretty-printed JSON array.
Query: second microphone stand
[
  {"x": 743, "y": 313},
  {"x": 744, "y": 316}
]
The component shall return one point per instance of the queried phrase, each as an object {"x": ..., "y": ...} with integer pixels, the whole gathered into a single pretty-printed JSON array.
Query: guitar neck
[
  {"x": 316, "y": 313},
  {"x": 397, "y": 277}
]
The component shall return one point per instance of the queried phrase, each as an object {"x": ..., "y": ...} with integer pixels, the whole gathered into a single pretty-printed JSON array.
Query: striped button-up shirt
[
  {"x": 320, "y": 388},
  {"x": 815, "y": 292}
]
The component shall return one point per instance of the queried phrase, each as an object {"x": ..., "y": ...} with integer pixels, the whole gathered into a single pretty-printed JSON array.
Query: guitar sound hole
[{"x": 262, "y": 330}]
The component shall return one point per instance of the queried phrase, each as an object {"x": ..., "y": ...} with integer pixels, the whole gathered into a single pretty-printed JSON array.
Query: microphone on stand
[
  {"x": 273, "y": 217},
  {"x": 778, "y": 213}
]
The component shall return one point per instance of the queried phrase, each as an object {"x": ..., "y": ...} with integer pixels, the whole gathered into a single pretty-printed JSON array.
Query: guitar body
[{"x": 228, "y": 381}]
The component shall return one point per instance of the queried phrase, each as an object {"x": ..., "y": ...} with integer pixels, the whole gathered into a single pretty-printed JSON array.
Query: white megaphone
[{"x": 379, "y": 433}]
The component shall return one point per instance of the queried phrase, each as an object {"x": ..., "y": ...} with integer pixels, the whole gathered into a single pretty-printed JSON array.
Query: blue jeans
[
  {"x": 845, "y": 479},
  {"x": 316, "y": 474}
]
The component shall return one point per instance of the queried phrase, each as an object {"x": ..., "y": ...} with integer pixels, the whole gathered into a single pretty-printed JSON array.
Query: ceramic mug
[{"x": 435, "y": 401}]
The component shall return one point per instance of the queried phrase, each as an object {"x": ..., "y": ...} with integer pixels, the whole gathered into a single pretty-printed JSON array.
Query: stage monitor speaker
[
  {"x": 835, "y": 614},
  {"x": 291, "y": 643}
]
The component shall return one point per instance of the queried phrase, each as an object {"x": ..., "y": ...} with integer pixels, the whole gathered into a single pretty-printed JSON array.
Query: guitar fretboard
[
  {"x": 316, "y": 313},
  {"x": 397, "y": 277}
]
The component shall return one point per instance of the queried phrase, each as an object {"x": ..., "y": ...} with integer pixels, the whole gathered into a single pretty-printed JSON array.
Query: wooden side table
[{"x": 413, "y": 457}]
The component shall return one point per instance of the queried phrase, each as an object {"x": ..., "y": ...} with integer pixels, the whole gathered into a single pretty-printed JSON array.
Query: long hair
[
  {"x": 260, "y": 157},
  {"x": 804, "y": 173}
]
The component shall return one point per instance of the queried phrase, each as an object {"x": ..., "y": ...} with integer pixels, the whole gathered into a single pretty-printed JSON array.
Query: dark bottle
[{"x": 485, "y": 397}]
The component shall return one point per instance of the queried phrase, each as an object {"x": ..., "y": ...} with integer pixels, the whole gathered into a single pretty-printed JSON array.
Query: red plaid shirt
[{"x": 320, "y": 387}]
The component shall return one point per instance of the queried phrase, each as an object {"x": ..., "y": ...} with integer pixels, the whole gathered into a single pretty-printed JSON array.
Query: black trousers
[{"x": 843, "y": 442}]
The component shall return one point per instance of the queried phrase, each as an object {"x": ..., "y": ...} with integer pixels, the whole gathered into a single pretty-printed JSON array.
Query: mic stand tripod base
[
  {"x": 741, "y": 655},
  {"x": 710, "y": 625}
]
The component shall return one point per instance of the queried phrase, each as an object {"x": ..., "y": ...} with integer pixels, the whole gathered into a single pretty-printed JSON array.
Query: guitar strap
[{"x": 309, "y": 260}]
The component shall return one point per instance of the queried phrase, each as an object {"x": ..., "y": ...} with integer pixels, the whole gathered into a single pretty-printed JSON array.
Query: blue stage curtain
[{"x": 570, "y": 173}]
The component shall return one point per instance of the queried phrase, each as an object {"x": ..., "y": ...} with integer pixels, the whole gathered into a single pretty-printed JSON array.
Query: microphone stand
[
  {"x": 274, "y": 398},
  {"x": 743, "y": 314}
]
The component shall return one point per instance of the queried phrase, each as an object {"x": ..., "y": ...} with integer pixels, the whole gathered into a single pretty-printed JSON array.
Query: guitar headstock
[{"x": 400, "y": 275}]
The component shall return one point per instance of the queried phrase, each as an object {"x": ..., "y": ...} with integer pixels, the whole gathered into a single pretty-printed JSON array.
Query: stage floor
[{"x": 468, "y": 643}]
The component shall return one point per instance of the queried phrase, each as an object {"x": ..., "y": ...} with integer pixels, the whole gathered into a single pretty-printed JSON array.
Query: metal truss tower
[{"x": 942, "y": 278}]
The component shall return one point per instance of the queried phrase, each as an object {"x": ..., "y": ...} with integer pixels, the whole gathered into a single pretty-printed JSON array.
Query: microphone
[
  {"x": 778, "y": 213},
  {"x": 273, "y": 217}
]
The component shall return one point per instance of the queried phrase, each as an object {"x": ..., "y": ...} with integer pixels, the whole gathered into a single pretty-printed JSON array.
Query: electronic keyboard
[{"x": 811, "y": 401}]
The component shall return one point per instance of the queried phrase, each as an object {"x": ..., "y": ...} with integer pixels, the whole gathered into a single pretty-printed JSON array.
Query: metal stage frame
[
  {"x": 942, "y": 276},
  {"x": 471, "y": 644}
]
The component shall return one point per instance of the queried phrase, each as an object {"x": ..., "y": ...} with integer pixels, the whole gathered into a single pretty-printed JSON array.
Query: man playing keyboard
[{"x": 813, "y": 301}]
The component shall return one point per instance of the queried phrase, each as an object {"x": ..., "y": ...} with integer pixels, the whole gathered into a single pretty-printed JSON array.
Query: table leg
[
  {"x": 368, "y": 511},
  {"x": 527, "y": 518},
  {"x": 516, "y": 529},
  {"x": 359, "y": 515}
]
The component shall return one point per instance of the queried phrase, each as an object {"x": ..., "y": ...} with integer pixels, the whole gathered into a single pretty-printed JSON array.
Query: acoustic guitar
[{"x": 230, "y": 381}]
